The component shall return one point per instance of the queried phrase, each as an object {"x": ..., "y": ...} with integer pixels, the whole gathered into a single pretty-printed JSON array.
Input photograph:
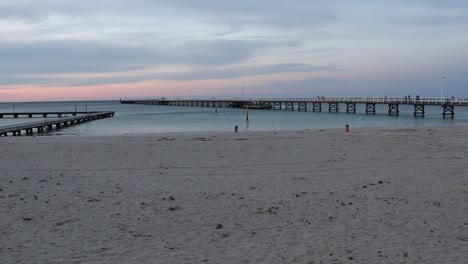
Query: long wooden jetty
[
  {"x": 316, "y": 104},
  {"x": 43, "y": 114},
  {"x": 39, "y": 126}
]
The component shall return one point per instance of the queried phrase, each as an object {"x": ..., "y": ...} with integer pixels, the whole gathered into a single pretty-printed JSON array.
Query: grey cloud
[
  {"x": 303, "y": 14},
  {"x": 233, "y": 72},
  {"x": 265, "y": 13},
  {"x": 82, "y": 57},
  {"x": 15, "y": 12},
  {"x": 200, "y": 74},
  {"x": 69, "y": 57},
  {"x": 216, "y": 73}
]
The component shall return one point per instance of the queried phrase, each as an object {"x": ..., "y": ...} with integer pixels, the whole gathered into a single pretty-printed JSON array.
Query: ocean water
[{"x": 130, "y": 119}]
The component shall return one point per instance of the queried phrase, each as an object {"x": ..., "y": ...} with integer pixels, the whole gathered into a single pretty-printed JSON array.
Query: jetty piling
[
  {"x": 393, "y": 109},
  {"x": 351, "y": 108}
]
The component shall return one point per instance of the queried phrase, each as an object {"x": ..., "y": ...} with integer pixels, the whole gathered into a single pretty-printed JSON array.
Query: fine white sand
[{"x": 369, "y": 196}]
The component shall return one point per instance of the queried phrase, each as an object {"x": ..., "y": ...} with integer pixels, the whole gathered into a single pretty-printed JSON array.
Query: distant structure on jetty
[{"x": 303, "y": 104}]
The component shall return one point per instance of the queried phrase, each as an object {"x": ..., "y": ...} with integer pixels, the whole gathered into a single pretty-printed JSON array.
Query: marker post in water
[{"x": 247, "y": 113}]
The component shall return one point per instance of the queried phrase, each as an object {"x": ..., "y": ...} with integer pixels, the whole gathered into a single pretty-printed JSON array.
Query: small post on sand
[
  {"x": 236, "y": 128},
  {"x": 247, "y": 113},
  {"x": 347, "y": 128}
]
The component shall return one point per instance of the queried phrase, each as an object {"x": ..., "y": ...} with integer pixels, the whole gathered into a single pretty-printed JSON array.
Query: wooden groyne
[
  {"x": 43, "y": 114},
  {"x": 40, "y": 126},
  {"x": 332, "y": 104}
]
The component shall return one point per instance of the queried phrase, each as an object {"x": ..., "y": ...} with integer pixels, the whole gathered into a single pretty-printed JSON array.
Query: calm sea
[{"x": 162, "y": 119}]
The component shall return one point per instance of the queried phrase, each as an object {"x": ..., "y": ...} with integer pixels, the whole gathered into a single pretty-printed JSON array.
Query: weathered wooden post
[
  {"x": 347, "y": 128},
  {"x": 247, "y": 113},
  {"x": 236, "y": 128}
]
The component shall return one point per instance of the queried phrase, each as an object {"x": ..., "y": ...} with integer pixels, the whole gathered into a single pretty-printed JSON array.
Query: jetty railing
[
  {"x": 376, "y": 100},
  {"x": 44, "y": 114}
]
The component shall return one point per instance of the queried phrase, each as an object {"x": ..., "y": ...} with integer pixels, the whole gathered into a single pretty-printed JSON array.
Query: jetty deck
[
  {"x": 40, "y": 126},
  {"x": 332, "y": 104}
]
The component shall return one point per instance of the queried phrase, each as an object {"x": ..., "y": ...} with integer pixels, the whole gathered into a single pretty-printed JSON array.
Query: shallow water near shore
[{"x": 131, "y": 119}]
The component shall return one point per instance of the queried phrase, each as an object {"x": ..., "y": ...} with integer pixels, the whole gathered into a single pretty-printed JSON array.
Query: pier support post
[
  {"x": 393, "y": 109},
  {"x": 316, "y": 107},
  {"x": 351, "y": 108},
  {"x": 370, "y": 108},
  {"x": 289, "y": 106},
  {"x": 301, "y": 106},
  {"x": 419, "y": 110},
  {"x": 333, "y": 107},
  {"x": 448, "y": 110}
]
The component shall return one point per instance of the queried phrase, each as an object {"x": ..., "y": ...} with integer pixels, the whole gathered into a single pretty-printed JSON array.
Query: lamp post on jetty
[
  {"x": 442, "y": 88},
  {"x": 346, "y": 90}
]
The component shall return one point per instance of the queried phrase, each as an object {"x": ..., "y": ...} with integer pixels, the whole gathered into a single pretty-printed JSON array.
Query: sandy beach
[{"x": 311, "y": 196}]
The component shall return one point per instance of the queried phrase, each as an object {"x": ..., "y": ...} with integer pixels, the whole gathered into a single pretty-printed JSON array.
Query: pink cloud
[{"x": 215, "y": 87}]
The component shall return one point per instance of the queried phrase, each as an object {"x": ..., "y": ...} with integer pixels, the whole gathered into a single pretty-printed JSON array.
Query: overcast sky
[{"x": 103, "y": 49}]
